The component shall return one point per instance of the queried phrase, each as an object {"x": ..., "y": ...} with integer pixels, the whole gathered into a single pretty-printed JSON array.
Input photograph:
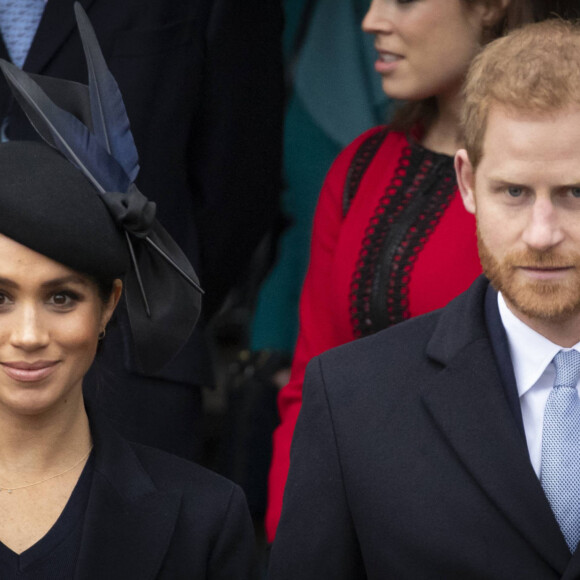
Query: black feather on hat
[{"x": 76, "y": 201}]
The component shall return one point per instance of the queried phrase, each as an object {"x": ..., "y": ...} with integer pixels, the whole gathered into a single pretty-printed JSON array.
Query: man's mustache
[{"x": 542, "y": 259}]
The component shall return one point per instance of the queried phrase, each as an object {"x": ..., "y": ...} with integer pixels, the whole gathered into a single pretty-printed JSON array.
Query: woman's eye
[
  {"x": 63, "y": 299},
  {"x": 515, "y": 191},
  {"x": 575, "y": 191},
  {"x": 4, "y": 299}
]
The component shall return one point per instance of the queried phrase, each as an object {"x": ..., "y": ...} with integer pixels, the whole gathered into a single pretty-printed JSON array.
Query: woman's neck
[
  {"x": 38, "y": 443},
  {"x": 443, "y": 134}
]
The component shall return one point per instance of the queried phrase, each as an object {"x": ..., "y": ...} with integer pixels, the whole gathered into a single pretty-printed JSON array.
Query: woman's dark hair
[
  {"x": 567, "y": 9},
  {"x": 104, "y": 287}
]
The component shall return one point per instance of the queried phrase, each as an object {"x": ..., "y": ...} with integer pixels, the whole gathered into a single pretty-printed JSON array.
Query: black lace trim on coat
[
  {"x": 419, "y": 193},
  {"x": 361, "y": 160}
]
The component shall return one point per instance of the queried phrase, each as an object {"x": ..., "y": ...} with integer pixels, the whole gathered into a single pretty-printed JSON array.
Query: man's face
[{"x": 525, "y": 195}]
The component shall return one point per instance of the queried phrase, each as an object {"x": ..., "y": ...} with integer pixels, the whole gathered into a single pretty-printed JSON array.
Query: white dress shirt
[{"x": 535, "y": 373}]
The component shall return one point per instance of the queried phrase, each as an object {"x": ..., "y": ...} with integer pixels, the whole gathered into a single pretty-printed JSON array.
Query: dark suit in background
[
  {"x": 202, "y": 82},
  {"x": 409, "y": 461}
]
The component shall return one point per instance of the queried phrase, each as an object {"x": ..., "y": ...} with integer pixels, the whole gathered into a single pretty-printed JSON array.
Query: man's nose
[{"x": 543, "y": 230}]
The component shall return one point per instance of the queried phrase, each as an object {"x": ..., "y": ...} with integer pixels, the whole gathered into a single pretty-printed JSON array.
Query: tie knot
[{"x": 567, "y": 368}]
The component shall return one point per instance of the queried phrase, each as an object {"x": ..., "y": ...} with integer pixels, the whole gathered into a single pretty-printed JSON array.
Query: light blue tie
[
  {"x": 19, "y": 21},
  {"x": 560, "y": 467}
]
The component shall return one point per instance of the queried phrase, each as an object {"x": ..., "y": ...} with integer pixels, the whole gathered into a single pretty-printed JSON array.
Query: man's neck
[{"x": 564, "y": 332}]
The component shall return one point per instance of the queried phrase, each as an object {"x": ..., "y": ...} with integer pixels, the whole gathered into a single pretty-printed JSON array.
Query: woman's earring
[{"x": 102, "y": 334}]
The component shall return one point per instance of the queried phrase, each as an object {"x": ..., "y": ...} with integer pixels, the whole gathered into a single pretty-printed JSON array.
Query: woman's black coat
[{"x": 151, "y": 515}]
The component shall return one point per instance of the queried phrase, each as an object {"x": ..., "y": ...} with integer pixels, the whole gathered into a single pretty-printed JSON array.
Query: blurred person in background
[{"x": 333, "y": 94}]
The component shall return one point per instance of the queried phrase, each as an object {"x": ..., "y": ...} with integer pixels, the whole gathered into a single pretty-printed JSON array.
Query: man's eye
[
  {"x": 515, "y": 191},
  {"x": 4, "y": 299}
]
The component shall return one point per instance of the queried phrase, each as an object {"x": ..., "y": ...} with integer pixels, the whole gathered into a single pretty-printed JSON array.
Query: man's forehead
[
  {"x": 527, "y": 112},
  {"x": 526, "y": 130},
  {"x": 531, "y": 148}
]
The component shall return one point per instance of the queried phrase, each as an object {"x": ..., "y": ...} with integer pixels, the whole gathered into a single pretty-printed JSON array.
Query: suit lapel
[
  {"x": 573, "y": 569},
  {"x": 129, "y": 522},
  {"x": 3, "y": 50},
  {"x": 56, "y": 25},
  {"x": 469, "y": 405}
]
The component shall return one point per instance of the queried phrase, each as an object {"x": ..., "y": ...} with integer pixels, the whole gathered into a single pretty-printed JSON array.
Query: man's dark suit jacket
[
  {"x": 408, "y": 463},
  {"x": 202, "y": 82},
  {"x": 151, "y": 515}
]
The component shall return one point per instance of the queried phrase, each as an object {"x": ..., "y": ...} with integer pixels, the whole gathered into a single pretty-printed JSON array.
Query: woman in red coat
[{"x": 391, "y": 239}]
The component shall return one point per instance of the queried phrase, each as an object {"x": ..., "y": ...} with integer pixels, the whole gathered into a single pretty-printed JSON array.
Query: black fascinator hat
[
  {"x": 74, "y": 200},
  {"x": 50, "y": 207}
]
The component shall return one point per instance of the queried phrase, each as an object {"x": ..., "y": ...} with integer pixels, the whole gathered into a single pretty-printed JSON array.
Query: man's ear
[{"x": 465, "y": 179}]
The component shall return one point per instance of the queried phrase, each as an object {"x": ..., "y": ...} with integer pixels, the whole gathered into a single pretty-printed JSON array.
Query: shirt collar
[{"x": 531, "y": 352}]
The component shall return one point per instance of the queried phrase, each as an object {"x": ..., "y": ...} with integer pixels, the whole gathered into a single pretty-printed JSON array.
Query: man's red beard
[{"x": 539, "y": 299}]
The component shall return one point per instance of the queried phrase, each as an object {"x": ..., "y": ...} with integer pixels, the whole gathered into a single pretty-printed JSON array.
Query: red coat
[{"x": 364, "y": 274}]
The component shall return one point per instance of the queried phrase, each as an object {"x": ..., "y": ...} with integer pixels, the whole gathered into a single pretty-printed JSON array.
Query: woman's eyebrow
[
  {"x": 8, "y": 282},
  {"x": 72, "y": 279}
]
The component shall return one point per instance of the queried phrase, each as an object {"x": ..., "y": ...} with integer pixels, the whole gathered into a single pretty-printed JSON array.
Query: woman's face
[
  {"x": 50, "y": 320},
  {"x": 425, "y": 46}
]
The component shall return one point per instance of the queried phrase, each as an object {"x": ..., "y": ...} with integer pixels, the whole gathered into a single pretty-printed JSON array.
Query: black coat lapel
[
  {"x": 468, "y": 403},
  {"x": 56, "y": 25},
  {"x": 501, "y": 353},
  {"x": 573, "y": 569},
  {"x": 3, "y": 50},
  {"x": 129, "y": 522}
]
